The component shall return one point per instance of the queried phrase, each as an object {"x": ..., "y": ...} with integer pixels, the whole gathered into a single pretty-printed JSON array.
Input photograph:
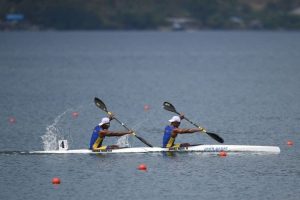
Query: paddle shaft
[
  {"x": 121, "y": 123},
  {"x": 100, "y": 104},
  {"x": 212, "y": 135},
  {"x": 188, "y": 120},
  {"x": 138, "y": 137},
  {"x": 169, "y": 107}
]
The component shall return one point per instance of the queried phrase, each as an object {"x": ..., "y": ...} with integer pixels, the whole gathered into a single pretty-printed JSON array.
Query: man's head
[
  {"x": 175, "y": 121},
  {"x": 105, "y": 123}
]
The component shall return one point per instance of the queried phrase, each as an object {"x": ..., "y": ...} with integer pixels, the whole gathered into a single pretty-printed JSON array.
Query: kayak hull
[{"x": 197, "y": 148}]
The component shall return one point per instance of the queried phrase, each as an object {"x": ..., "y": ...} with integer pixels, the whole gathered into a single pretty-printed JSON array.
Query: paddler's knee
[
  {"x": 102, "y": 148},
  {"x": 174, "y": 147}
]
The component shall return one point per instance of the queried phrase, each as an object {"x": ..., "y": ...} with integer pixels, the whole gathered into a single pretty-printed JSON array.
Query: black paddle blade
[
  {"x": 100, "y": 104},
  {"x": 216, "y": 137},
  {"x": 169, "y": 107}
]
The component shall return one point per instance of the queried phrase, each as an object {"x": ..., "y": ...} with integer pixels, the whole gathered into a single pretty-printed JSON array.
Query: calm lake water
[{"x": 242, "y": 85}]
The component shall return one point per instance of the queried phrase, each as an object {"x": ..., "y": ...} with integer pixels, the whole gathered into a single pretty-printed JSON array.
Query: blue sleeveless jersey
[
  {"x": 95, "y": 135},
  {"x": 167, "y": 135}
]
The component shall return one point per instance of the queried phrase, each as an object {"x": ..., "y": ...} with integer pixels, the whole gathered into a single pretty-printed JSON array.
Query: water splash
[
  {"x": 53, "y": 134},
  {"x": 123, "y": 141}
]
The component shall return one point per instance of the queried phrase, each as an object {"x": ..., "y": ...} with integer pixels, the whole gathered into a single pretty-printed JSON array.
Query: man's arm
[
  {"x": 187, "y": 130},
  {"x": 114, "y": 133}
]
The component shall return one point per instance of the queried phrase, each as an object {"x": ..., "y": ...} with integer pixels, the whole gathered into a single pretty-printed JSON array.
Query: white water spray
[
  {"x": 123, "y": 141},
  {"x": 50, "y": 139}
]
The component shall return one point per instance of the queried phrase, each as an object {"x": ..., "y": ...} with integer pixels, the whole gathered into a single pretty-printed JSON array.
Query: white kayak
[{"x": 197, "y": 148}]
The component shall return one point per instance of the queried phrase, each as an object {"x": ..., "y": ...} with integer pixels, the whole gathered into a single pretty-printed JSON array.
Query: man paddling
[
  {"x": 101, "y": 131},
  {"x": 172, "y": 130}
]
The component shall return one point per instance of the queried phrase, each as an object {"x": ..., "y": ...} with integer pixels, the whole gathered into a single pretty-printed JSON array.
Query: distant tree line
[{"x": 153, "y": 14}]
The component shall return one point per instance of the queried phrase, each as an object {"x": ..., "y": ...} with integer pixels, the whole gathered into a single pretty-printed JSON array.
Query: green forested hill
[{"x": 152, "y": 14}]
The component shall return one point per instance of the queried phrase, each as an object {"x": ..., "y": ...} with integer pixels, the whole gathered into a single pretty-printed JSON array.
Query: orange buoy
[
  {"x": 142, "y": 167},
  {"x": 75, "y": 114},
  {"x": 290, "y": 143},
  {"x": 12, "y": 120},
  {"x": 222, "y": 154},
  {"x": 146, "y": 107},
  {"x": 55, "y": 180}
]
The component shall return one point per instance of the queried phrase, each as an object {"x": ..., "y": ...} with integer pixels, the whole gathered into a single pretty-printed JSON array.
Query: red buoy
[
  {"x": 55, "y": 180},
  {"x": 142, "y": 167},
  {"x": 290, "y": 143},
  {"x": 75, "y": 114},
  {"x": 12, "y": 120},
  {"x": 222, "y": 154},
  {"x": 146, "y": 107}
]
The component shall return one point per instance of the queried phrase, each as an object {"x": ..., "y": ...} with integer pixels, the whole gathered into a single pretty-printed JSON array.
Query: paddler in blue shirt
[
  {"x": 172, "y": 130},
  {"x": 101, "y": 131}
]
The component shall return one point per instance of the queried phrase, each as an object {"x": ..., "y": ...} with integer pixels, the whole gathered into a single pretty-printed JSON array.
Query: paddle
[
  {"x": 100, "y": 104},
  {"x": 169, "y": 107}
]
